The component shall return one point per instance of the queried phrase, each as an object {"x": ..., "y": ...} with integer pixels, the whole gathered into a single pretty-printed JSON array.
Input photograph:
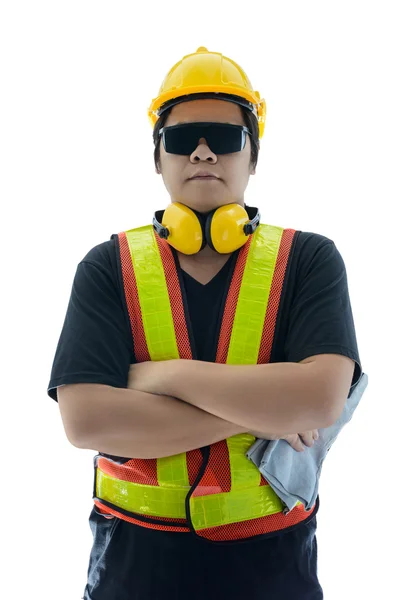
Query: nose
[{"x": 203, "y": 152}]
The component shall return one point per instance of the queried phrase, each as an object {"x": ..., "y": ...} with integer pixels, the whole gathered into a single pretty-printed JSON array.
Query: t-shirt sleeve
[
  {"x": 321, "y": 319},
  {"x": 95, "y": 344}
]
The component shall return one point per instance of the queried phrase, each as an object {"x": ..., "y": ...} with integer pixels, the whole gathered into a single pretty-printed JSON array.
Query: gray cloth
[{"x": 293, "y": 475}]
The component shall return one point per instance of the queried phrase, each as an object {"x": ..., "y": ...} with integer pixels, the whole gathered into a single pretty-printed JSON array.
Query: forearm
[
  {"x": 127, "y": 422},
  {"x": 282, "y": 398}
]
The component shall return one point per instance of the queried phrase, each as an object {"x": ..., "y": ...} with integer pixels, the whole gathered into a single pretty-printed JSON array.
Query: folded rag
[{"x": 294, "y": 476}]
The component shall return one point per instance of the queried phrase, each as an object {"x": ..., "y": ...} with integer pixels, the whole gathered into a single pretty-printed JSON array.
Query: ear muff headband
[{"x": 224, "y": 229}]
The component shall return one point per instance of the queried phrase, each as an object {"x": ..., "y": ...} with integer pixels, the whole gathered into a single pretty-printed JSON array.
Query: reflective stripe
[
  {"x": 144, "y": 499},
  {"x": 153, "y": 294},
  {"x": 172, "y": 471},
  {"x": 254, "y": 295},
  {"x": 234, "y": 506},
  {"x": 244, "y": 473},
  {"x": 206, "y": 511}
]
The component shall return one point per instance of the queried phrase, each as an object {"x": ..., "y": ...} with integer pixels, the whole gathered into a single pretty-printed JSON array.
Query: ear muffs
[
  {"x": 224, "y": 229},
  {"x": 181, "y": 227}
]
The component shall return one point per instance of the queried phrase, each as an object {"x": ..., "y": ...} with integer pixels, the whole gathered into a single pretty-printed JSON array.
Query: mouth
[{"x": 205, "y": 177}]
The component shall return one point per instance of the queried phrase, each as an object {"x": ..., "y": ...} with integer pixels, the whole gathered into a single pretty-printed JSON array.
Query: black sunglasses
[{"x": 222, "y": 138}]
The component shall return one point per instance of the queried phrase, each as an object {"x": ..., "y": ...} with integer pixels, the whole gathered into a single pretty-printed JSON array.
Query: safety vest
[{"x": 215, "y": 492}]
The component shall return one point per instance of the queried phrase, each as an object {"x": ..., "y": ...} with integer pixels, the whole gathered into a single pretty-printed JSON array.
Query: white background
[{"x": 77, "y": 165}]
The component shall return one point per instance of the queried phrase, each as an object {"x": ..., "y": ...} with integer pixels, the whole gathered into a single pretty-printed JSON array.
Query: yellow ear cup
[
  {"x": 226, "y": 230},
  {"x": 186, "y": 233}
]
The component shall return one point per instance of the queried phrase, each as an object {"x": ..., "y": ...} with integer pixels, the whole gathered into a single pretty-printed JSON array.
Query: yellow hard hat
[{"x": 207, "y": 74}]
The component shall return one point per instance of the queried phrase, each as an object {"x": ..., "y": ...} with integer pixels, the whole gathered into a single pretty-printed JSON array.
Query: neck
[{"x": 205, "y": 257}]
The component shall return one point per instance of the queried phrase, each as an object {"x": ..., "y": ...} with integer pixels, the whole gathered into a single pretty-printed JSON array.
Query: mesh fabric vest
[{"x": 215, "y": 492}]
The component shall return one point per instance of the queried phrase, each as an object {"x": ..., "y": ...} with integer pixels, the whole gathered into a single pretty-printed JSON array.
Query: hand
[{"x": 294, "y": 439}]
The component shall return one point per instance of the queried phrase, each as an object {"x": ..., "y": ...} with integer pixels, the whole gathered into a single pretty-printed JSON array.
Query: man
[{"x": 186, "y": 418}]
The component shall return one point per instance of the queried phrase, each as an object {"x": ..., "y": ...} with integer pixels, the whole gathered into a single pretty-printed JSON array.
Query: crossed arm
[{"x": 291, "y": 397}]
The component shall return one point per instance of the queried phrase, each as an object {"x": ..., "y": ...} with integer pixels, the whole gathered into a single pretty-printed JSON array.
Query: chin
[{"x": 206, "y": 206}]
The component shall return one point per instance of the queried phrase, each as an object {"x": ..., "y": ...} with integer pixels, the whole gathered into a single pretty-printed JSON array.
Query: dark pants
[{"x": 128, "y": 562}]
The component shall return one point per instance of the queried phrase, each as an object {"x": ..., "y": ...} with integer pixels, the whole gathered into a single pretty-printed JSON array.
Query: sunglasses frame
[{"x": 202, "y": 124}]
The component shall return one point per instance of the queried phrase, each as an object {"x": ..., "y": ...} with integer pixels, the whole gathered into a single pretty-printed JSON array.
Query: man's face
[{"x": 233, "y": 170}]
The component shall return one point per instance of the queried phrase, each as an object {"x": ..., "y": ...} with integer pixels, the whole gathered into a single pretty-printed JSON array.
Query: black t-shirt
[{"x": 129, "y": 562}]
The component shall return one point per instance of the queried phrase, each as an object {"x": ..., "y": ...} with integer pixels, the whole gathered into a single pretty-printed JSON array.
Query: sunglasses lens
[{"x": 221, "y": 138}]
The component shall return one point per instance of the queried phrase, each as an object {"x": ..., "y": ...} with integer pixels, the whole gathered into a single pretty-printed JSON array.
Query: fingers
[
  {"x": 298, "y": 445},
  {"x": 309, "y": 437},
  {"x": 299, "y": 441},
  {"x": 295, "y": 442}
]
